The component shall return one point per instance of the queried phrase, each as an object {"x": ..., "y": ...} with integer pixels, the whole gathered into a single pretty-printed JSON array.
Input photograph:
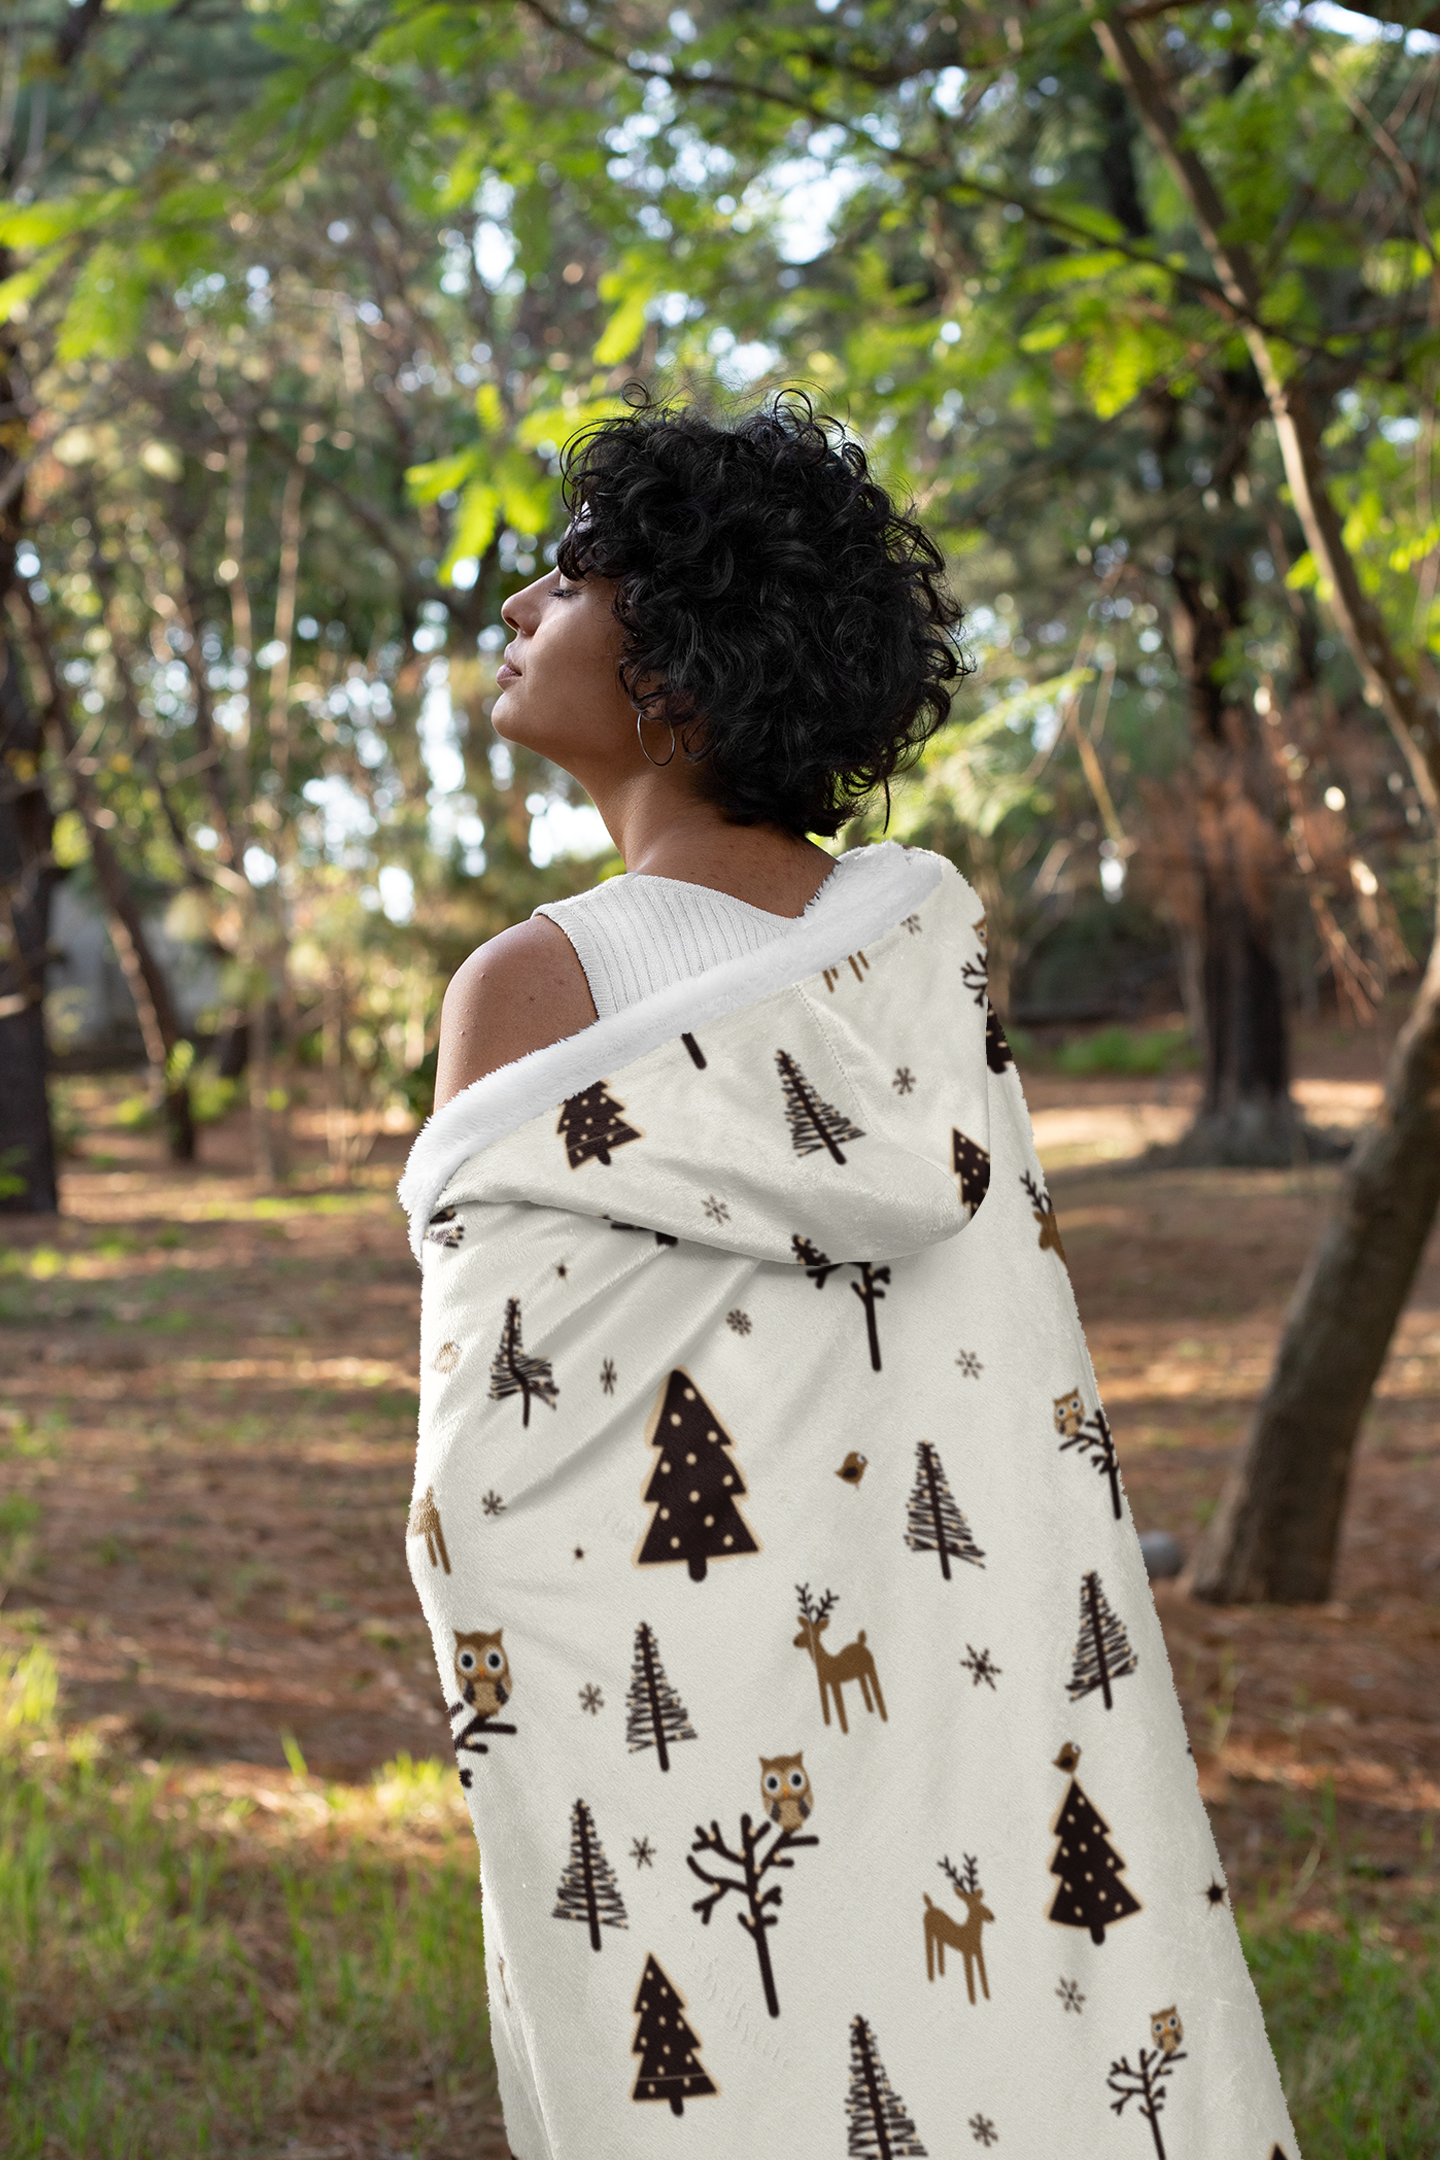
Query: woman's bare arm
[{"x": 520, "y": 991}]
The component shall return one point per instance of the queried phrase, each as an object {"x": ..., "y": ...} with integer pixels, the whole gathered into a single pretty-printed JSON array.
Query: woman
[{"x": 767, "y": 1521}]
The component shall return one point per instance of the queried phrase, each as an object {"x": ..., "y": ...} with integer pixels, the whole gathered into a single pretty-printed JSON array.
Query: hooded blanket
[{"x": 805, "y": 1684}]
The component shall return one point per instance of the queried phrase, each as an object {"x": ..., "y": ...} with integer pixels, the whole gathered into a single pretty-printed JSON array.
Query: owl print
[
  {"x": 1167, "y": 2030},
  {"x": 483, "y": 1671},
  {"x": 1069, "y": 1414},
  {"x": 785, "y": 1790}
]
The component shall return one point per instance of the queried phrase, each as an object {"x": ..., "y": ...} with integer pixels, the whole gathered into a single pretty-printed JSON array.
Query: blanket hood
[{"x": 822, "y": 1101}]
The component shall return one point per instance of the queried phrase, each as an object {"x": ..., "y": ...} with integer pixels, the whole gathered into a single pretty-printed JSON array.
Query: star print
[
  {"x": 717, "y": 1210},
  {"x": 642, "y": 1852},
  {"x": 985, "y": 2131},
  {"x": 980, "y": 1667},
  {"x": 562, "y": 1270},
  {"x": 492, "y": 1504},
  {"x": 592, "y": 1700},
  {"x": 904, "y": 1080},
  {"x": 579, "y": 1552},
  {"x": 969, "y": 1364},
  {"x": 607, "y": 1376},
  {"x": 739, "y": 1321},
  {"x": 1214, "y": 1892},
  {"x": 1070, "y": 1995}
]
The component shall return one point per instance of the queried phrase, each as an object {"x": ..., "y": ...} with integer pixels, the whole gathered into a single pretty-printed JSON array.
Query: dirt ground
[{"x": 211, "y": 1392}]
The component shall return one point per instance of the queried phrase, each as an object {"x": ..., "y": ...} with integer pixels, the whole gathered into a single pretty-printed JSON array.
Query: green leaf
[
  {"x": 427, "y": 482},
  {"x": 475, "y": 524}
]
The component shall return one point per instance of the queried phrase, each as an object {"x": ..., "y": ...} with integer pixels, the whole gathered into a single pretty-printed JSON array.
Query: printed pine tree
[
  {"x": 592, "y": 1123},
  {"x": 670, "y": 2065},
  {"x": 813, "y": 1124},
  {"x": 971, "y": 1165},
  {"x": 997, "y": 1051},
  {"x": 654, "y": 1714},
  {"x": 512, "y": 1373},
  {"x": 935, "y": 1522},
  {"x": 879, "y": 2127},
  {"x": 1102, "y": 1651},
  {"x": 694, "y": 1487},
  {"x": 1091, "y": 1894},
  {"x": 588, "y": 1890}
]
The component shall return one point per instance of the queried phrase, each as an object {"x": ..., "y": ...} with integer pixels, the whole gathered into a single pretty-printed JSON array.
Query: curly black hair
[{"x": 792, "y": 625}]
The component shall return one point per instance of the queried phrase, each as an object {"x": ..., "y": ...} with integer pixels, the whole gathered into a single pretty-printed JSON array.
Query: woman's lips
[{"x": 506, "y": 674}]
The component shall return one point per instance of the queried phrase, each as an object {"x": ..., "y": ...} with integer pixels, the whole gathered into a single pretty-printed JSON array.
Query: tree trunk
[
  {"x": 27, "y": 877},
  {"x": 1274, "y": 1535},
  {"x": 1276, "y": 1532},
  {"x": 145, "y": 979}
]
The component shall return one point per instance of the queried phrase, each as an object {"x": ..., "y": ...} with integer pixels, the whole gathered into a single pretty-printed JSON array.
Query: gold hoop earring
[{"x": 661, "y": 762}]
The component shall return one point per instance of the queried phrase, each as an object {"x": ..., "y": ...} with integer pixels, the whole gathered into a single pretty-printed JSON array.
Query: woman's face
[{"x": 560, "y": 690}]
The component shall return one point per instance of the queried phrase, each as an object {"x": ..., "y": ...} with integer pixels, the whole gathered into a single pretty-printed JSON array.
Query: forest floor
[{"x": 207, "y": 1398}]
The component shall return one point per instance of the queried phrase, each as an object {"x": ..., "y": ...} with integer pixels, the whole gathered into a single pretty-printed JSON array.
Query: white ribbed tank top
[{"x": 636, "y": 934}]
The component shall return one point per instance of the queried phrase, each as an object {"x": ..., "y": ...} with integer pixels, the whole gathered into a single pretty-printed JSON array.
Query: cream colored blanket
[{"x": 831, "y": 1789}]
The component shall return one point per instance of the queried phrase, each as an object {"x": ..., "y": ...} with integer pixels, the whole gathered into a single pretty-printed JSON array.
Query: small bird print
[{"x": 852, "y": 1469}]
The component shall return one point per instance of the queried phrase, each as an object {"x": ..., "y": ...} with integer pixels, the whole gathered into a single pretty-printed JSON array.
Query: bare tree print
[
  {"x": 1095, "y": 1443},
  {"x": 820, "y": 1267},
  {"x": 760, "y": 1906},
  {"x": 1146, "y": 2085}
]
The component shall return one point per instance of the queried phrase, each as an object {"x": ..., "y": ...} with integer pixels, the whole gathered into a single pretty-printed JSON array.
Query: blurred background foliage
[{"x": 302, "y": 299}]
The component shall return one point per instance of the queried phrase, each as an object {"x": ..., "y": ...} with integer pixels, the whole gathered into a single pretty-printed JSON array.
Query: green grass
[
  {"x": 1355, "y": 2024},
  {"x": 1123, "y": 1050},
  {"x": 188, "y": 1966},
  {"x": 196, "y": 1961}
]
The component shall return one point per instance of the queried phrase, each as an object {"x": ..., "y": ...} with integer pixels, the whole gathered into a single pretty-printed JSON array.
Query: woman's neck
[{"x": 661, "y": 833}]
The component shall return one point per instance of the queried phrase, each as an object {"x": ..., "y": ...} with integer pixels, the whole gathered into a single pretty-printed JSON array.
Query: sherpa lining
[{"x": 889, "y": 885}]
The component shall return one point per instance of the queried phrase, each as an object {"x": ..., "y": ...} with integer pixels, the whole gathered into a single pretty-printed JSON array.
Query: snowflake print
[
  {"x": 912, "y": 924},
  {"x": 642, "y": 1852},
  {"x": 739, "y": 1321},
  {"x": 607, "y": 1376},
  {"x": 492, "y": 1504},
  {"x": 980, "y": 1667},
  {"x": 904, "y": 1080},
  {"x": 969, "y": 1364},
  {"x": 984, "y": 2130},
  {"x": 1070, "y": 1995},
  {"x": 591, "y": 1699},
  {"x": 717, "y": 1210}
]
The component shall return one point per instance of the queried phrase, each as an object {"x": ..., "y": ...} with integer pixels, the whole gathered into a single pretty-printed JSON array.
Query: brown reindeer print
[
  {"x": 833, "y": 1669},
  {"x": 942, "y": 1932}
]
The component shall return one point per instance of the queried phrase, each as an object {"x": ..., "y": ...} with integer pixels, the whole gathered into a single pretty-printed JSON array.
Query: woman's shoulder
[{"x": 520, "y": 991}]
